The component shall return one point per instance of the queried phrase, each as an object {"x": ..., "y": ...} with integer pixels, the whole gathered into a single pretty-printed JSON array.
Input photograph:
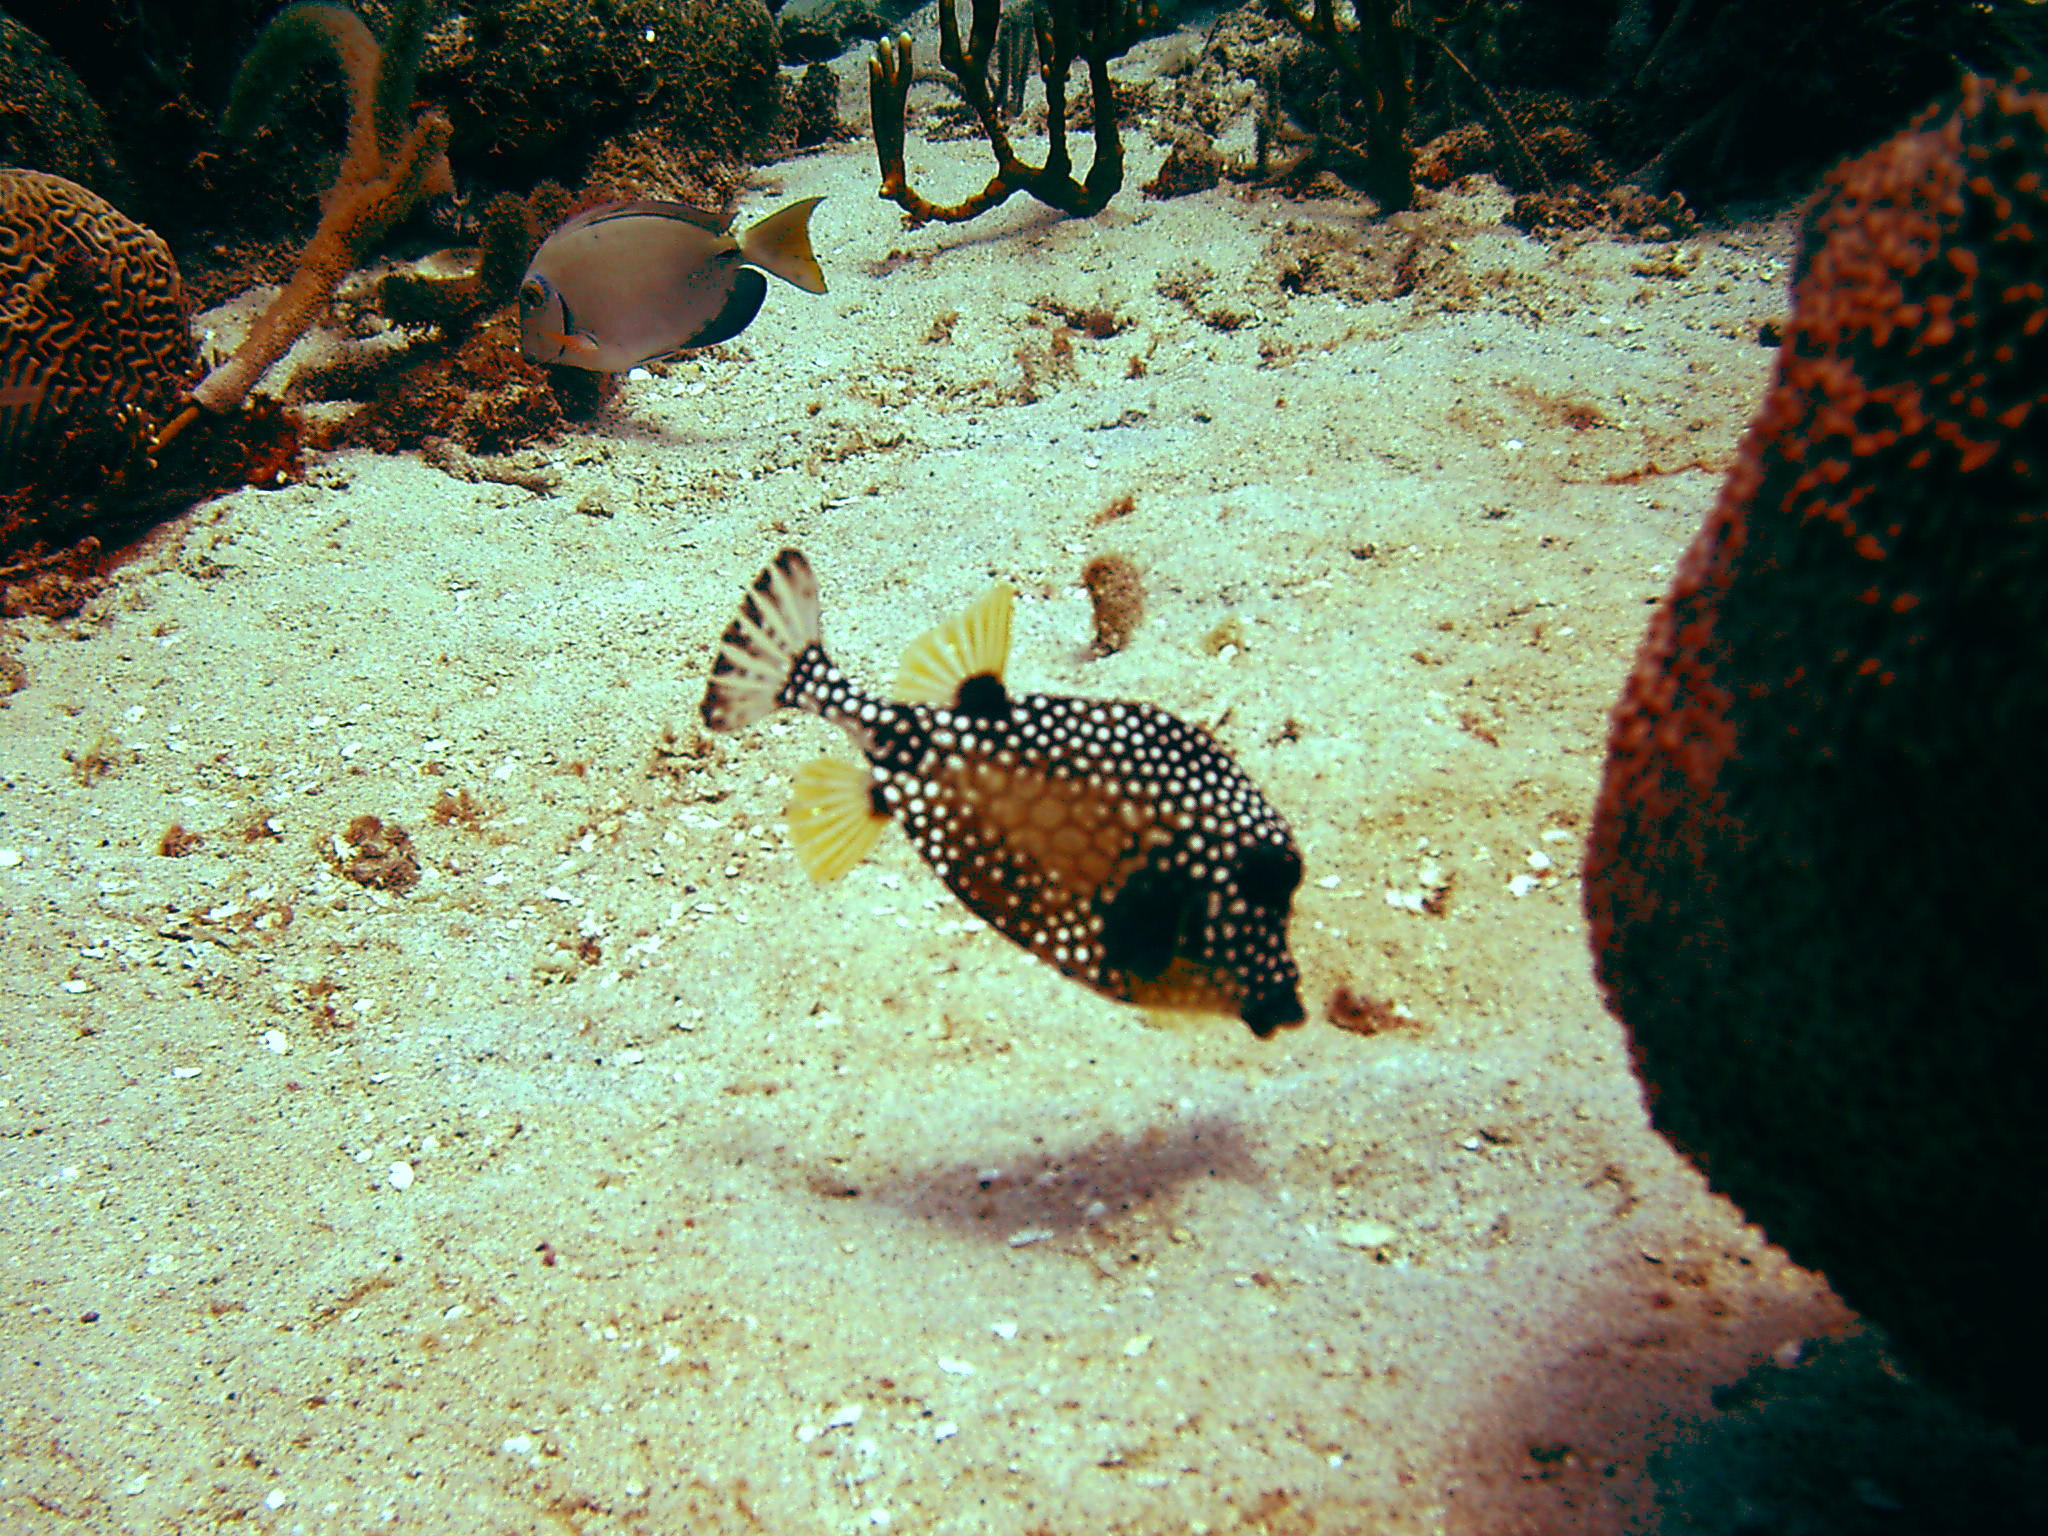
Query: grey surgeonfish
[{"x": 626, "y": 282}]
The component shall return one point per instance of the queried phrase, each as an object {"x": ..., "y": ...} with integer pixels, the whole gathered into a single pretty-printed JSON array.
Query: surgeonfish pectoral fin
[
  {"x": 737, "y": 313},
  {"x": 781, "y": 244},
  {"x": 946, "y": 655},
  {"x": 778, "y": 621},
  {"x": 832, "y": 821}
]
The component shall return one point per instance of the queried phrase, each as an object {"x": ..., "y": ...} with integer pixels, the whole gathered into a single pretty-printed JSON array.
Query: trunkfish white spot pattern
[{"x": 1115, "y": 842}]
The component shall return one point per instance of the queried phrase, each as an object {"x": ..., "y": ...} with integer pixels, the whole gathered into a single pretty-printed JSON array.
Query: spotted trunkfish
[{"x": 1118, "y": 844}]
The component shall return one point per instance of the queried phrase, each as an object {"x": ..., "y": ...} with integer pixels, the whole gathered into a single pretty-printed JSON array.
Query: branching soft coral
[
  {"x": 1098, "y": 30},
  {"x": 393, "y": 159}
]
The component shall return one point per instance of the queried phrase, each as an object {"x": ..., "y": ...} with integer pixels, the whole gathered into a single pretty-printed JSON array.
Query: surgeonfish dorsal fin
[
  {"x": 650, "y": 208},
  {"x": 946, "y": 655},
  {"x": 778, "y": 622},
  {"x": 781, "y": 244},
  {"x": 832, "y": 820}
]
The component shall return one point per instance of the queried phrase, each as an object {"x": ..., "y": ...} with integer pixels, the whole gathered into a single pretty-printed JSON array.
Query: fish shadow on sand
[
  {"x": 625, "y": 421},
  {"x": 1060, "y": 1189},
  {"x": 1028, "y": 223}
]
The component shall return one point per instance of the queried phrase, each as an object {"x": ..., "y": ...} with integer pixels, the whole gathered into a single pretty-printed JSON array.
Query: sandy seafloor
[{"x": 737, "y": 1204}]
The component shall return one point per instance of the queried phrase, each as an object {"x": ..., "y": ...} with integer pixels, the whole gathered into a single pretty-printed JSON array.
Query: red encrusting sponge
[{"x": 1818, "y": 872}]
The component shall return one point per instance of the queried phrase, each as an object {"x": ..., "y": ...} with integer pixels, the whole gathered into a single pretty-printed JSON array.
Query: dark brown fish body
[{"x": 1117, "y": 843}]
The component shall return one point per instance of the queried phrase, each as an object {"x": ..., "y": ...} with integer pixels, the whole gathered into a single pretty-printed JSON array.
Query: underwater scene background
[{"x": 433, "y": 1098}]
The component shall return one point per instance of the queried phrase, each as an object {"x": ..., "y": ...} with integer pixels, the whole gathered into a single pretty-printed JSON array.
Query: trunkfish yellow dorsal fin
[
  {"x": 946, "y": 655},
  {"x": 832, "y": 821}
]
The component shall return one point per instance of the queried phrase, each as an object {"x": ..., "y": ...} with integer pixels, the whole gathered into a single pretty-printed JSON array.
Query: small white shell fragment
[
  {"x": 844, "y": 1418},
  {"x": 945, "y": 1431},
  {"x": 516, "y": 1445},
  {"x": 1538, "y": 859},
  {"x": 10, "y": 858},
  {"x": 1522, "y": 885},
  {"x": 274, "y": 1499},
  {"x": 1024, "y": 1236},
  {"x": 632, "y": 1056},
  {"x": 401, "y": 1175},
  {"x": 276, "y": 1041},
  {"x": 1330, "y": 882},
  {"x": 954, "y": 1367},
  {"x": 806, "y": 1433},
  {"x": 638, "y": 375},
  {"x": 1556, "y": 835},
  {"x": 1137, "y": 1345},
  {"x": 1004, "y": 1330},
  {"x": 184, "y": 1071},
  {"x": 1366, "y": 1234},
  {"x": 76, "y": 986}
]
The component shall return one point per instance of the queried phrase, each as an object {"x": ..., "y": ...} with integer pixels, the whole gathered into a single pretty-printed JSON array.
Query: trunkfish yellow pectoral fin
[
  {"x": 832, "y": 821},
  {"x": 967, "y": 645}
]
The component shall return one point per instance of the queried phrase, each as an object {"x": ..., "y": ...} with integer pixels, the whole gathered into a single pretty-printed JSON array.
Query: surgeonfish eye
[{"x": 532, "y": 293}]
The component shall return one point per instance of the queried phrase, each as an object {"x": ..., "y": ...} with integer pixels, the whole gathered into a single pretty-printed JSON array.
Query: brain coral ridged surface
[
  {"x": 93, "y": 324},
  {"x": 1818, "y": 873}
]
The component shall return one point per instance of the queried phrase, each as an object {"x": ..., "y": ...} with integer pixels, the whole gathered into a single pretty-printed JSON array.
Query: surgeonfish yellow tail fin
[
  {"x": 946, "y": 655},
  {"x": 832, "y": 821},
  {"x": 781, "y": 244},
  {"x": 777, "y": 623}
]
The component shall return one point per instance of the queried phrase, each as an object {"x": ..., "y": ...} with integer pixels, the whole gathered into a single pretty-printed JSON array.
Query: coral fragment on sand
[{"x": 1118, "y": 596}]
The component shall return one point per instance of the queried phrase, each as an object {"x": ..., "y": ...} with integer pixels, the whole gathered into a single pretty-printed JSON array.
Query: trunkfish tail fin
[
  {"x": 971, "y": 644},
  {"x": 778, "y": 622},
  {"x": 833, "y": 822}
]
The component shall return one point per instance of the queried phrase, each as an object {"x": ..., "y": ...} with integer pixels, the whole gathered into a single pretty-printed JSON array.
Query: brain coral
[
  {"x": 1818, "y": 872},
  {"x": 93, "y": 327}
]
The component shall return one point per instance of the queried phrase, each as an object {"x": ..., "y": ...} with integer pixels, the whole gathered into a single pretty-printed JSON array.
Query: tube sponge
[{"x": 1818, "y": 871}]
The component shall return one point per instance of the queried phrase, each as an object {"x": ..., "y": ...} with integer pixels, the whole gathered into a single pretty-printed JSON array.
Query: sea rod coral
[
  {"x": 393, "y": 159},
  {"x": 1066, "y": 30},
  {"x": 1815, "y": 871}
]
